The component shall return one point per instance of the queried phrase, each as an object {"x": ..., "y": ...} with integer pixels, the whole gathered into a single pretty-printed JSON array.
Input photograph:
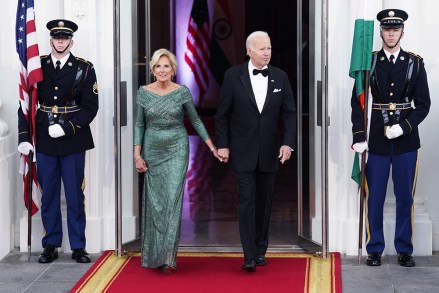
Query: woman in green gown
[{"x": 161, "y": 149}]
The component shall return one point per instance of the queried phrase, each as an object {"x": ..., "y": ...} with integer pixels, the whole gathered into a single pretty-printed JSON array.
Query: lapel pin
[
  {"x": 48, "y": 61},
  {"x": 402, "y": 58},
  {"x": 70, "y": 64},
  {"x": 381, "y": 58}
]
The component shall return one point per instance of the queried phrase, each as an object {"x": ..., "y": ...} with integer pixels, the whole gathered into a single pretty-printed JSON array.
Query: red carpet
[{"x": 215, "y": 272}]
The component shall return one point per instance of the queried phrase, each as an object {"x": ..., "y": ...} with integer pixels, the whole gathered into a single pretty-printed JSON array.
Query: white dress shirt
[
  {"x": 259, "y": 85},
  {"x": 63, "y": 60},
  {"x": 394, "y": 54}
]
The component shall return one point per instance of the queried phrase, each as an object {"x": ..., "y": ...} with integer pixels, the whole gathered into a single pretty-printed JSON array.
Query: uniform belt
[
  {"x": 391, "y": 106},
  {"x": 60, "y": 110}
]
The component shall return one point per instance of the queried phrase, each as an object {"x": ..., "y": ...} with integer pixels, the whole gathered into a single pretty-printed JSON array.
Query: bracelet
[
  {"x": 212, "y": 149},
  {"x": 135, "y": 160}
]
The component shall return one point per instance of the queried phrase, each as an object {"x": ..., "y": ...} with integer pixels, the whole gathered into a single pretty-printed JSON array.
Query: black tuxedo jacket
[
  {"x": 252, "y": 137},
  {"x": 75, "y": 84},
  {"x": 387, "y": 86}
]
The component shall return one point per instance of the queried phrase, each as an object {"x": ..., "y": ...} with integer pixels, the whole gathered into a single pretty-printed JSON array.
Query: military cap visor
[
  {"x": 61, "y": 28},
  {"x": 392, "y": 18}
]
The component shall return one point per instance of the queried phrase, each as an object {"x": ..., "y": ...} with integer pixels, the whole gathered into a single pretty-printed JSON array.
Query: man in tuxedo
[
  {"x": 254, "y": 95},
  {"x": 68, "y": 103},
  {"x": 401, "y": 101}
]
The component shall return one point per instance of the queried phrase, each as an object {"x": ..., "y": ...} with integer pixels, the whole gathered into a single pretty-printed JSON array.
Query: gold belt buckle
[
  {"x": 55, "y": 109},
  {"x": 392, "y": 106}
]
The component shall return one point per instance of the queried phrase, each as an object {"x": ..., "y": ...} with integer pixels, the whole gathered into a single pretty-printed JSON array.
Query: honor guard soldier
[
  {"x": 67, "y": 104},
  {"x": 401, "y": 101}
]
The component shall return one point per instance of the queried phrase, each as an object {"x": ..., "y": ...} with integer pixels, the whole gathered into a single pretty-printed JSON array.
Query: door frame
[{"x": 305, "y": 241}]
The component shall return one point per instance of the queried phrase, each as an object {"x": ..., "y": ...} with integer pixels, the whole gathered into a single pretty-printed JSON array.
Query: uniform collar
[
  {"x": 63, "y": 60},
  {"x": 394, "y": 54}
]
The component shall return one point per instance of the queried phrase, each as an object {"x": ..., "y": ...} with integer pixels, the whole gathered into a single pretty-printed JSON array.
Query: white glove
[
  {"x": 394, "y": 131},
  {"x": 360, "y": 147},
  {"x": 56, "y": 130},
  {"x": 25, "y": 148}
]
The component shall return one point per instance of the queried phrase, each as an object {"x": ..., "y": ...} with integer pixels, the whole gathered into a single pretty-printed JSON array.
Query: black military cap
[
  {"x": 392, "y": 18},
  {"x": 61, "y": 28}
]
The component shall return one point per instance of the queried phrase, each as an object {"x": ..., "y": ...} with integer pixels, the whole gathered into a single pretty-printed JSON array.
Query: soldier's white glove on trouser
[
  {"x": 25, "y": 148},
  {"x": 360, "y": 147}
]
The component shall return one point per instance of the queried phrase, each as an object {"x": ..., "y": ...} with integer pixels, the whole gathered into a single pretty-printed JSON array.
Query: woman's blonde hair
[{"x": 163, "y": 52}]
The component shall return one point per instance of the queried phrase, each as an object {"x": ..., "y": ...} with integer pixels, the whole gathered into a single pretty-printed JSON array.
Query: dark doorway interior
[{"x": 210, "y": 216}]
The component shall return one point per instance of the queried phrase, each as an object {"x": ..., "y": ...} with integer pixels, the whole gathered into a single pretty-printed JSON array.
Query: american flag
[
  {"x": 197, "y": 55},
  {"x": 30, "y": 74}
]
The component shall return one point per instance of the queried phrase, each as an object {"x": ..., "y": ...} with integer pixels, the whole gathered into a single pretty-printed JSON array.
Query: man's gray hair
[{"x": 253, "y": 36}]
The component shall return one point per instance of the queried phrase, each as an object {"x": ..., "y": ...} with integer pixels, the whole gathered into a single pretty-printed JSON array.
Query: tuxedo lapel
[
  {"x": 246, "y": 83},
  {"x": 270, "y": 87}
]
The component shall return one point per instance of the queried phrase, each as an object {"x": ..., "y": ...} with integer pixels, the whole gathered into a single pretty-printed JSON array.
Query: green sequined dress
[{"x": 165, "y": 148}]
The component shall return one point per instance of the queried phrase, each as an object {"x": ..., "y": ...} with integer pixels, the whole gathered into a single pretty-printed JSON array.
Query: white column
[{"x": 7, "y": 169}]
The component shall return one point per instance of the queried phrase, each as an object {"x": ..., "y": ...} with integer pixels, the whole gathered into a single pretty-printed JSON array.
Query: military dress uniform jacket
[
  {"x": 75, "y": 88},
  {"x": 402, "y": 83}
]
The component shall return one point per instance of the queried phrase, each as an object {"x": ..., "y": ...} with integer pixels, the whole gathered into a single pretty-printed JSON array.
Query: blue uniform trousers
[
  {"x": 404, "y": 172},
  {"x": 70, "y": 169}
]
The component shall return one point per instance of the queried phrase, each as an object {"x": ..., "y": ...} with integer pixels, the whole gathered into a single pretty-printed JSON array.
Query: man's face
[
  {"x": 260, "y": 52},
  {"x": 391, "y": 37},
  {"x": 60, "y": 44}
]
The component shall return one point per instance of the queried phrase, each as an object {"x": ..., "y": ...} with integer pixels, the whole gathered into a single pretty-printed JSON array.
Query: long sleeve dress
[{"x": 160, "y": 131}]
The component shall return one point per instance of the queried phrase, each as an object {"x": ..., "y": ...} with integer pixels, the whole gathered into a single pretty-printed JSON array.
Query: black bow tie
[{"x": 264, "y": 72}]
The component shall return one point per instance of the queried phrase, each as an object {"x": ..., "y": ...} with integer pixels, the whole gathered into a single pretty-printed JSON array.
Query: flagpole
[
  {"x": 29, "y": 180},
  {"x": 363, "y": 167}
]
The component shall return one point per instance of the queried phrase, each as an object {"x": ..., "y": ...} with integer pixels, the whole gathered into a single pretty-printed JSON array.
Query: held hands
[
  {"x": 284, "y": 153},
  {"x": 25, "y": 148},
  {"x": 223, "y": 155},
  {"x": 214, "y": 151},
  {"x": 394, "y": 131},
  {"x": 360, "y": 147},
  {"x": 56, "y": 131},
  {"x": 140, "y": 164}
]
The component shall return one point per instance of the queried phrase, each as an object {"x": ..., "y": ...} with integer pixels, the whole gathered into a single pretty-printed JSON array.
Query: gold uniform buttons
[
  {"x": 391, "y": 94},
  {"x": 55, "y": 115},
  {"x": 392, "y": 84},
  {"x": 56, "y": 88},
  {"x": 55, "y": 97},
  {"x": 391, "y": 113}
]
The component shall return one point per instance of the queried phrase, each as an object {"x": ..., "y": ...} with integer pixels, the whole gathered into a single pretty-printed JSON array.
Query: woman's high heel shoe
[{"x": 168, "y": 269}]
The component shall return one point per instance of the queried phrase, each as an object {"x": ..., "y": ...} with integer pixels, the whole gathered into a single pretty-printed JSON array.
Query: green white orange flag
[{"x": 361, "y": 61}]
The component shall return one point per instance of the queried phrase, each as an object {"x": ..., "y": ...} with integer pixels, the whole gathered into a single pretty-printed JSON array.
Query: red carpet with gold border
[{"x": 214, "y": 272}]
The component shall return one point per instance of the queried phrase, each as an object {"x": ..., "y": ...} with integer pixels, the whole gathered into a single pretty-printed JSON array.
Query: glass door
[
  {"x": 126, "y": 84},
  {"x": 312, "y": 126}
]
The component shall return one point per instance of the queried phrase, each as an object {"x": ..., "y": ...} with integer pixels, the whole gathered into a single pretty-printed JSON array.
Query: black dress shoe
[
  {"x": 249, "y": 266},
  {"x": 49, "y": 254},
  {"x": 81, "y": 255},
  {"x": 374, "y": 259},
  {"x": 406, "y": 260},
  {"x": 261, "y": 260}
]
